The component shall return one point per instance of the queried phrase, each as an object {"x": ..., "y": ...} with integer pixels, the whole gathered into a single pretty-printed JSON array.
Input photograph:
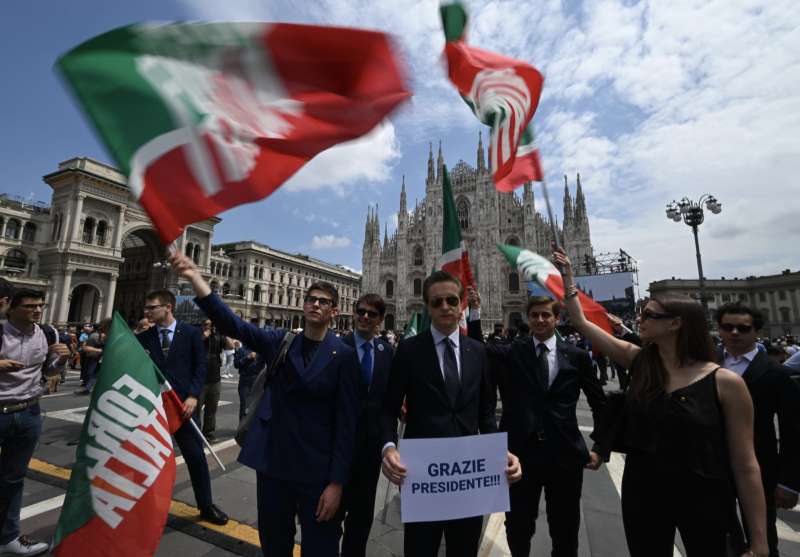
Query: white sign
[{"x": 453, "y": 477}]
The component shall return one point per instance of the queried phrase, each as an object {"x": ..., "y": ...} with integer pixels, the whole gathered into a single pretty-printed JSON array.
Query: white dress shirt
[
  {"x": 437, "y": 342},
  {"x": 552, "y": 360},
  {"x": 738, "y": 364},
  {"x": 170, "y": 328}
]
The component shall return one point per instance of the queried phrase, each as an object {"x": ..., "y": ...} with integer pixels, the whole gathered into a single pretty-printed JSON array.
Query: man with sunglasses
[
  {"x": 25, "y": 355},
  {"x": 301, "y": 440},
  {"x": 444, "y": 377},
  {"x": 374, "y": 360},
  {"x": 774, "y": 393}
]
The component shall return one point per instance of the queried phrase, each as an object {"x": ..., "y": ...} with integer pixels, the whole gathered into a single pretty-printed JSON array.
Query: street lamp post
[{"x": 693, "y": 215}]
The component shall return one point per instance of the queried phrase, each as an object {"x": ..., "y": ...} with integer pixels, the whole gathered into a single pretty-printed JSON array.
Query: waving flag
[
  {"x": 203, "y": 117},
  {"x": 503, "y": 93},
  {"x": 121, "y": 484},
  {"x": 455, "y": 257},
  {"x": 534, "y": 267}
]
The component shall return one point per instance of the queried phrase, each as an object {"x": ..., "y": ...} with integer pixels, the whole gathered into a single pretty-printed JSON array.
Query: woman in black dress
[{"x": 687, "y": 428}]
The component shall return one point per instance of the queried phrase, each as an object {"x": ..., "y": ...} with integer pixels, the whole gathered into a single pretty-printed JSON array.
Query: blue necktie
[{"x": 366, "y": 363}]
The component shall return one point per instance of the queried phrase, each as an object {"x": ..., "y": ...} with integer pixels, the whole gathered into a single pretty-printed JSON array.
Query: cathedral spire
[
  {"x": 403, "y": 208},
  {"x": 431, "y": 176},
  {"x": 385, "y": 235},
  {"x": 580, "y": 203},
  {"x": 568, "y": 211},
  {"x": 481, "y": 159},
  {"x": 439, "y": 164}
]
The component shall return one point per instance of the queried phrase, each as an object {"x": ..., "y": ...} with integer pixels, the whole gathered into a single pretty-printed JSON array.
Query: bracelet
[{"x": 572, "y": 292}]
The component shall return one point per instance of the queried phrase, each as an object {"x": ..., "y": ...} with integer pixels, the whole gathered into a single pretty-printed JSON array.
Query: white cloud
[{"x": 329, "y": 241}]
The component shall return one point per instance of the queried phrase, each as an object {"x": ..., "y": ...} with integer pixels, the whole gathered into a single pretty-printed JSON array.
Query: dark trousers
[
  {"x": 245, "y": 386},
  {"x": 19, "y": 433},
  {"x": 622, "y": 373},
  {"x": 562, "y": 487},
  {"x": 657, "y": 500},
  {"x": 602, "y": 366},
  {"x": 461, "y": 537},
  {"x": 192, "y": 450},
  {"x": 207, "y": 405},
  {"x": 279, "y": 501},
  {"x": 359, "y": 500}
]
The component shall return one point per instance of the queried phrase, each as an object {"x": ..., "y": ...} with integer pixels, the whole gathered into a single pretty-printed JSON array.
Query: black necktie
[
  {"x": 451, "y": 382},
  {"x": 544, "y": 366},
  {"x": 165, "y": 341}
]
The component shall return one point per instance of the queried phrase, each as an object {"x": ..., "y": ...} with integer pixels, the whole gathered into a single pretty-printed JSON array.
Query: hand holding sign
[
  {"x": 513, "y": 469},
  {"x": 393, "y": 469}
]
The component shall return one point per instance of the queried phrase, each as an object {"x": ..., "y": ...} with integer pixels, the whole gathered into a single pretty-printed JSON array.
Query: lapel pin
[
  {"x": 333, "y": 352},
  {"x": 380, "y": 348}
]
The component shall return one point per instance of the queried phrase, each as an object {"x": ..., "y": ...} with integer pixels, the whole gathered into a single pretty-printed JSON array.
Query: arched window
[
  {"x": 462, "y": 208},
  {"x": 417, "y": 287},
  {"x": 419, "y": 256},
  {"x": 513, "y": 282},
  {"x": 226, "y": 289},
  {"x": 88, "y": 230},
  {"x": 12, "y": 229},
  {"x": 189, "y": 249},
  {"x": 512, "y": 241},
  {"x": 257, "y": 293},
  {"x": 389, "y": 288},
  {"x": 196, "y": 254},
  {"x": 102, "y": 230},
  {"x": 241, "y": 291},
  {"x": 16, "y": 259},
  {"x": 29, "y": 232}
]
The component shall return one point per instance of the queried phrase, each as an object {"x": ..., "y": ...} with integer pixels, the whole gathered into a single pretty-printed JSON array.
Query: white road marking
[
  {"x": 41, "y": 507},
  {"x": 77, "y": 415},
  {"x": 218, "y": 447}
]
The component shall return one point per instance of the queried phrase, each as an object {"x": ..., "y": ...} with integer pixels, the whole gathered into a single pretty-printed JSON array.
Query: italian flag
[
  {"x": 203, "y": 117},
  {"x": 503, "y": 93},
  {"x": 455, "y": 257},
  {"x": 121, "y": 484},
  {"x": 173, "y": 406},
  {"x": 534, "y": 267}
]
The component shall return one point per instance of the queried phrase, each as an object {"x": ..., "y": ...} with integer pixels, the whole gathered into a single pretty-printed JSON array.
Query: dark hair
[
  {"x": 523, "y": 330},
  {"x": 326, "y": 287},
  {"x": 105, "y": 325},
  {"x": 693, "y": 343},
  {"x": 22, "y": 293},
  {"x": 6, "y": 288},
  {"x": 163, "y": 296},
  {"x": 373, "y": 300},
  {"x": 440, "y": 276},
  {"x": 735, "y": 308},
  {"x": 555, "y": 307}
]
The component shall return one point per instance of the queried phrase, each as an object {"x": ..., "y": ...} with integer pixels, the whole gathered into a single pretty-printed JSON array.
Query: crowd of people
[{"x": 695, "y": 415}]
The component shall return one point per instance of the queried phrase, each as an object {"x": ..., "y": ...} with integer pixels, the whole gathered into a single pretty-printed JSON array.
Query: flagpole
[{"x": 206, "y": 443}]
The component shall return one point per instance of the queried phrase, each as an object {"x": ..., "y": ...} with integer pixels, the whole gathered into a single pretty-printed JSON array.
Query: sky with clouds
[{"x": 650, "y": 101}]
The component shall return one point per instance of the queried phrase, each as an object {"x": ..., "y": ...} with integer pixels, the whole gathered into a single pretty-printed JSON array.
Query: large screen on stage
[{"x": 603, "y": 288}]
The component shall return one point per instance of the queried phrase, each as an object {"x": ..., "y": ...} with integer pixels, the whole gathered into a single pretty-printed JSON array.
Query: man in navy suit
[
  {"x": 301, "y": 439},
  {"x": 177, "y": 349},
  {"x": 374, "y": 360},
  {"x": 544, "y": 377}
]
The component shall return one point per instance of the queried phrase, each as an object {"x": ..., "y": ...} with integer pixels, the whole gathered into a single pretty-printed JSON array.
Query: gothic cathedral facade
[{"x": 396, "y": 267}]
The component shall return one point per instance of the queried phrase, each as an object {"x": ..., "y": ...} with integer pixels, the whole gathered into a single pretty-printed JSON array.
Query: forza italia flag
[
  {"x": 503, "y": 93},
  {"x": 120, "y": 489},
  {"x": 534, "y": 267},
  {"x": 455, "y": 257},
  {"x": 203, "y": 117}
]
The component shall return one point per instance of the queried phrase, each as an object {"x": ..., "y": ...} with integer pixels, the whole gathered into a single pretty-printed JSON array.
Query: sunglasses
[
  {"x": 729, "y": 328},
  {"x": 323, "y": 302},
  {"x": 647, "y": 314},
  {"x": 361, "y": 312},
  {"x": 452, "y": 301}
]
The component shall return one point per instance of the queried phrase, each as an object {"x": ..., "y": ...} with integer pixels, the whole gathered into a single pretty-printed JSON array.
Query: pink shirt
[{"x": 30, "y": 349}]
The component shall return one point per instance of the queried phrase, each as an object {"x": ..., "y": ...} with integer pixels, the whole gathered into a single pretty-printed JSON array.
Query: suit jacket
[
  {"x": 185, "y": 364},
  {"x": 368, "y": 433},
  {"x": 304, "y": 427},
  {"x": 416, "y": 376},
  {"x": 775, "y": 393},
  {"x": 531, "y": 410}
]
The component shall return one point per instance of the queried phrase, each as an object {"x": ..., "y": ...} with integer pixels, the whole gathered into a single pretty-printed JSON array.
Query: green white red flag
[
  {"x": 173, "y": 407},
  {"x": 503, "y": 93},
  {"x": 120, "y": 489},
  {"x": 455, "y": 257},
  {"x": 203, "y": 117},
  {"x": 534, "y": 267}
]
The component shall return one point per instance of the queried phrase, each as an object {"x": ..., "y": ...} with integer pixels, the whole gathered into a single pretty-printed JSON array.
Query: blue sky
[{"x": 648, "y": 100}]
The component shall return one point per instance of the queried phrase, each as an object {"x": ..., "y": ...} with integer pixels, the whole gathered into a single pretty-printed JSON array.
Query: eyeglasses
[
  {"x": 153, "y": 306},
  {"x": 361, "y": 312},
  {"x": 647, "y": 314},
  {"x": 730, "y": 327},
  {"x": 452, "y": 301},
  {"x": 323, "y": 302},
  {"x": 33, "y": 306}
]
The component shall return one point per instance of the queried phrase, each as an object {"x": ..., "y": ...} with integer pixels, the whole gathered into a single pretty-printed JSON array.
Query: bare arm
[
  {"x": 617, "y": 349},
  {"x": 737, "y": 407}
]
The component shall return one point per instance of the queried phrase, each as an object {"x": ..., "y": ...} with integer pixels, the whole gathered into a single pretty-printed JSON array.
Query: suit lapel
[
  {"x": 756, "y": 369},
  {"x": 435, "y": 370},
  {"x": 154, "y": 347},
  {"x": 381, "y": 362},
  {"x": 564, "y": 365},
  {"x": 530, "y": 363},
  {"x": 470, "y": 374},
  {"x": 324, "y": 354},
  {"x": 177, "y": 339},
  {"x": 295, "y": 354}
]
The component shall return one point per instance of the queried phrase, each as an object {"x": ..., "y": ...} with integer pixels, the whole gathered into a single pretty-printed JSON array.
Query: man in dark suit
[
  {"x": 374, "y": 359},
  {"x": 444, "y": 378},
  {"x": 545, "y": 377},
  {"x": 774, "y": 393},
  {"x": 300, "y": 441},
  {"x": 177, "y": 349}
]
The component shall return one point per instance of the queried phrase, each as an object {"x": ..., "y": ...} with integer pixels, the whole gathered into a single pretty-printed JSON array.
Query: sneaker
[{"x": 23, "y": 545}]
